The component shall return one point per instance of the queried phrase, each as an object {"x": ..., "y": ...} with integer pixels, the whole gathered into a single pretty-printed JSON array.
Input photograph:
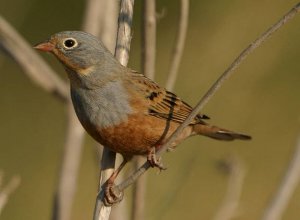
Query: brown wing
[{"x": 162, "y": 103}]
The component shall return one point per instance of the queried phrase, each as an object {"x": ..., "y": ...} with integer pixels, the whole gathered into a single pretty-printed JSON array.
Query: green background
[{"x": 261, "y": 99}]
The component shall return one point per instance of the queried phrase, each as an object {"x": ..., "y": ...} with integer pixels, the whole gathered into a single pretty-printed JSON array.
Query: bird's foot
[
  {"x": 112, "y": 195},
  {"x": 154, "y": 161}
]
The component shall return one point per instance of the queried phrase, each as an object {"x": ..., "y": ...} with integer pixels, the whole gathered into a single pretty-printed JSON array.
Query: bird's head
[{"x": 77, "y": 51}]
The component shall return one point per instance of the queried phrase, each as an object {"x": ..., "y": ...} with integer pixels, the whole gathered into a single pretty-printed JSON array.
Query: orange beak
[{"x": 44, "y": 46}]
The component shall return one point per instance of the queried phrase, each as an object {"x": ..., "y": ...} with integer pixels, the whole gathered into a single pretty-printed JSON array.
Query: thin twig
[
  {"x": 148, "y": 68},
  {"x": 228, "y": 72},
  {"x": 179, "y": 44},
  {"x": 101, "y": 211},
  {"x": 237, "y": 171},
  {"x": 6, "y": 191},
  {"x": 289, "y": 184},
  {"x": 149, "y": 38},
  {"x": 32, "y": 64}
]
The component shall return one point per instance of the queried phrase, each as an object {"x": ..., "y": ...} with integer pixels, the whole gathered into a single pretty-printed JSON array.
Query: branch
[
  {"x": 229, "y": 207},
  {"x": 289, "y": 184},
  {"x": 124, "y": 31},
  {"x": 6, "y": 191},
  {"x": 31, "y": 63},
  {"x": 101, "y": 20},
  {"x": 101, "y": 211},
  {"x": 179, "y": 44},
  {"x": 228, "y": 72}
]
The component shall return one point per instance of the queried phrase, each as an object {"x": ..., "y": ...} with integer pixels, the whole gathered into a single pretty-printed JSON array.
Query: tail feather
[{"x": 219, "y": 133}]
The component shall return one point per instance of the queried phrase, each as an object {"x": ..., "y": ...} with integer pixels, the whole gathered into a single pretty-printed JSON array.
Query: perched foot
[
  {"x": 112, "y": 195},
  {"x": 154, "y": 161}
]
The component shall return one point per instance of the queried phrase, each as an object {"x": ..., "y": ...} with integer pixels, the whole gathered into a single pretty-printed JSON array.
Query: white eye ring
[{"x": 70, "y": 43}]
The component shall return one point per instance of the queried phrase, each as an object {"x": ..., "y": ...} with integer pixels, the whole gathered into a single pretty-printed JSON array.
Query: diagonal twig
[
  {"x": 226, "y": 74},
  {"x": 32, "y": 64}
]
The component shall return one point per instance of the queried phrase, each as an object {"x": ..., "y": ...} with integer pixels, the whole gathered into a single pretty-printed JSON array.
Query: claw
[
  {"x": 154, "y": 161},
  {"x": 112, "y": 195}
]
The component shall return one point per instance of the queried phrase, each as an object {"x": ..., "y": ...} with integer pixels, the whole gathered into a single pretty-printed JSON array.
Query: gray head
[{"x": 78, "y": 51}]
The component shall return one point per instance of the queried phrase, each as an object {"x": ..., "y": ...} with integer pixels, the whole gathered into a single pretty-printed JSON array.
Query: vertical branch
[
  {"x": 289, "y": 183},
  {"x": 148, "y": 68},
  {"x": 229, "y": 207},
  {"x": 6, "y": 191},
  {"x": 102, "y": 212},
  {"x": 70, "y": 165},
  {"x": 108, "y": 33},
  {"x": 179, "y": 44},
  {"x": 124, "y": 31}
]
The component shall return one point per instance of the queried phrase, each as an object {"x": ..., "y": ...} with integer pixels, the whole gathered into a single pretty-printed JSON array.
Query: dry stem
[
  {"x": 30, "y": 62},
  {"x": 148, "y": 68},
  {"x": 101, "y": 211},
  {"x": 229, "y": 207},
  {"x": 6, "y": 191},
  {"x": 179, "y": 44}
]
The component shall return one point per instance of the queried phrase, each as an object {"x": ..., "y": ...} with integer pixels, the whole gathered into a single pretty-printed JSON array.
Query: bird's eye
[{"x": 70, "y": 43}]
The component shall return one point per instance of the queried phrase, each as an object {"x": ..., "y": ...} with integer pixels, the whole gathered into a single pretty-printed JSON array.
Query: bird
[{"x": 121, "y": 108}]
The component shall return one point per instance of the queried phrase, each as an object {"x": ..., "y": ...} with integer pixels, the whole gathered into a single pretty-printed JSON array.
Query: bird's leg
[
  {"x": 153, "y": 160},
  {"x": 113, "y": 195}
]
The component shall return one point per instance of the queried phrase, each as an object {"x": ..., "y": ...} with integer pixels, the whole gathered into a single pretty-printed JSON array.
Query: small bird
[{"x": 119, "y": 107}]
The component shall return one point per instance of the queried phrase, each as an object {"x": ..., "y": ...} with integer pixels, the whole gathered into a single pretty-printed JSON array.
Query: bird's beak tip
[{"x": 44, "y": 46}]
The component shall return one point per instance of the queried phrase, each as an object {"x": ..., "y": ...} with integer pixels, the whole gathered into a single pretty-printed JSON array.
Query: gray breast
[{"x": 101, "y": 107}]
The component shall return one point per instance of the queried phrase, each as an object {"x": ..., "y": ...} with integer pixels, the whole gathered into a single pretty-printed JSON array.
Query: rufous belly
[{"x": 138, "y": 135}]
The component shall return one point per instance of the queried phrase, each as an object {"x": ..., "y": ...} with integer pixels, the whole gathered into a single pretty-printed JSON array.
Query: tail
[{"x": 218, "y": 133}]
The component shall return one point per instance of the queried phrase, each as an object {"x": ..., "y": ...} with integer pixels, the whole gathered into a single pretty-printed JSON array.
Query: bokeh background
[{"x": 261, "y": 99}]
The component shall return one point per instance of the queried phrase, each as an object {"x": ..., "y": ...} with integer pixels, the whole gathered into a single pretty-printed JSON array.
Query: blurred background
[{"x": 261, "y": 99}]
